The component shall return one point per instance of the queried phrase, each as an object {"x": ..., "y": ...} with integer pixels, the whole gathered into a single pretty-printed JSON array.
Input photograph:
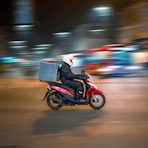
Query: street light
[
  {"x": 104, "y": 16},
  {"x": 62, "y": 34},
  {"x": 103, "y": 10}
]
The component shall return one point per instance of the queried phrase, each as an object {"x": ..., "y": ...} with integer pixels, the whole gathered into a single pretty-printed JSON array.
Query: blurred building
[
  {"x": 26, "y": 38},
  {"x": 133, "y": 22},
  {"x": 3, "y": 40},
  {"x": 133, "y": 28}
]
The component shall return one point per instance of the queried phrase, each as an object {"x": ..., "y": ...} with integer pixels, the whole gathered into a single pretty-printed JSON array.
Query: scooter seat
[{"x": 64, "y": 86}]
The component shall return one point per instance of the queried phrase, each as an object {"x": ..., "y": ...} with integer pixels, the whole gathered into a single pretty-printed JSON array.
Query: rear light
[{"x": 48, "y": 86}]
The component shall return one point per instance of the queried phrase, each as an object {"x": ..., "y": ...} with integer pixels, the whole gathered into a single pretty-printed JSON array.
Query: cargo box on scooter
[{"x": 48, "y": 72}]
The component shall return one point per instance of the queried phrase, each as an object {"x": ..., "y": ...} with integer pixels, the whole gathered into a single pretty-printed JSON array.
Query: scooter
[{"x": 59, "y": 95}]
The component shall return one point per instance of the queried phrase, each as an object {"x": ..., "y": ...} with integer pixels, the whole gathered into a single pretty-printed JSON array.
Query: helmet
[{"x": 68, "y": 59}]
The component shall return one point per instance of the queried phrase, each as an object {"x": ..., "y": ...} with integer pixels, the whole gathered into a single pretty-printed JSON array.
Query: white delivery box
[{"x": 48, "y": 72}]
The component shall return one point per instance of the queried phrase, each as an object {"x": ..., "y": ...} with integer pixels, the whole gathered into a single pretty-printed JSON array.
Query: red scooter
[{"x": 59, "y": 95}]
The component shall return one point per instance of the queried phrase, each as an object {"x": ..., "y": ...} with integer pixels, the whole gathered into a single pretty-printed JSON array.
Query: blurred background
[{"x": 109, "y": 38}]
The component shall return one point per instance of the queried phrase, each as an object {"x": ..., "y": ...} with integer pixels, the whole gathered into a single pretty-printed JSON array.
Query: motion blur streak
[{"x": 110, "y": 42}]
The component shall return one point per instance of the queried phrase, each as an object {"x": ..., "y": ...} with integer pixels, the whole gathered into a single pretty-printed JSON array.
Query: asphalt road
[{"x": 27, "y": 122}]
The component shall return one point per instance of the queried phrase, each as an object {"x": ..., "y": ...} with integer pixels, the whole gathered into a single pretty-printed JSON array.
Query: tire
[
  {"x": 97, "y": 101},
  {"x": 54, "y": 105}
]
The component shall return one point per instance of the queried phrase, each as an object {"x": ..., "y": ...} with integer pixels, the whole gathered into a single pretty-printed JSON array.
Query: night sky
[
  {"x": 50, "y": 14},
  {"x": 61, "y": 15},
  {"x": 65, "y": 14},
  {"x": 58, "y": 15},
  {"x": 5, "y": 12}
]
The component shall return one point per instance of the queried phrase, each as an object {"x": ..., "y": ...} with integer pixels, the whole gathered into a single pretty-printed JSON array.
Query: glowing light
[
  {"x": 102, "y": 8},
  {"x": 62, "y": 34},
  {"x": 97, "y": 30},
  {"x": 18, "y": 46},
  {"x": 103, "y": 11},
  {"x": 44, "y": 45},
  {"x": 23, "y": 27}
]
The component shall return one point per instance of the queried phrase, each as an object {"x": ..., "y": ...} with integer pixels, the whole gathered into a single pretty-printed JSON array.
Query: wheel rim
[{"x": 96, "y": 100}]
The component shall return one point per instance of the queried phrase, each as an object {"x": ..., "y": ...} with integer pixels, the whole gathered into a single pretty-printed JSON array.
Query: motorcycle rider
[{"x": 67, "y": 76}]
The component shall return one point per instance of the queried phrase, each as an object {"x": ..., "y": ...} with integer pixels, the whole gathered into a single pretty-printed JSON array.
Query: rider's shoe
[{"x": 82, "y": 100}]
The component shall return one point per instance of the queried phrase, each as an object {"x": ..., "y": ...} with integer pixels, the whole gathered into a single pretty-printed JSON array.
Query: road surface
[{"x": 27, "y": 122}]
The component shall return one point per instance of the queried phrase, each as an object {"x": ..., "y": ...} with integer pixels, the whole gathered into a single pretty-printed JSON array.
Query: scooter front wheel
[
  {"x": 53, "y": 101},
  {"x": 97, "y": 101}
]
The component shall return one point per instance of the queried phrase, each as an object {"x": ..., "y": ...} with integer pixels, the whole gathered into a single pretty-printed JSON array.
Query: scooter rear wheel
[
  {"x": 51, "y": 101},
  {"x": 97, "y": 101}
]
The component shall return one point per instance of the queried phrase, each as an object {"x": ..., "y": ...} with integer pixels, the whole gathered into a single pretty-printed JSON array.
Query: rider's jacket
[{"x": 66, "y": 73}]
